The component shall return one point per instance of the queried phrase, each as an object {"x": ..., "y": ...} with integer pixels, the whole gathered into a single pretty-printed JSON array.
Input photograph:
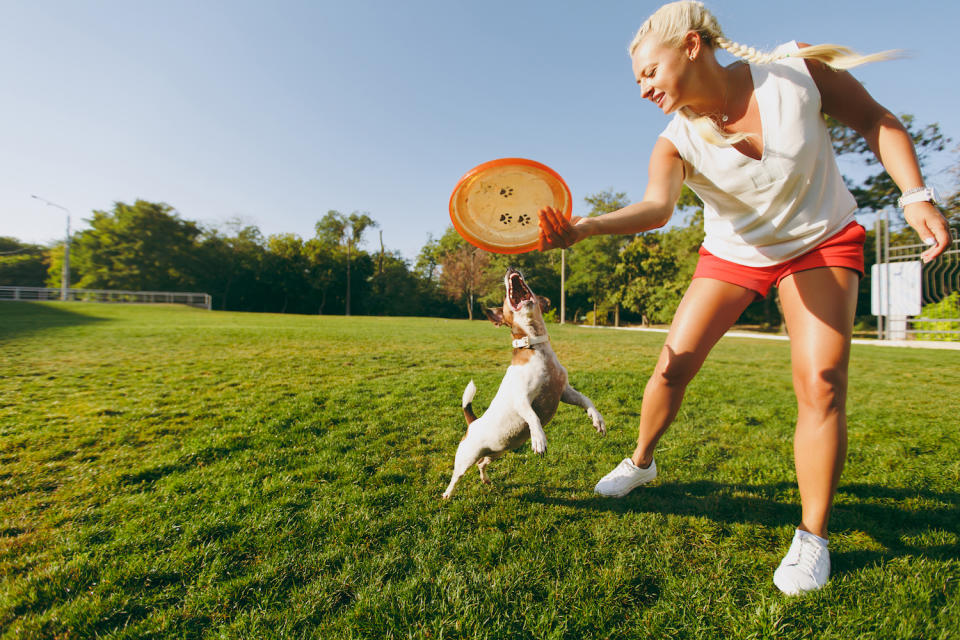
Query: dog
[{"x": 531, "y": 390}]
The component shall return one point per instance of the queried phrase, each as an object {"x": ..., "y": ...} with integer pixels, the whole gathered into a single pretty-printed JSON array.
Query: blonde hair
[{"x": 672, "y": 22}]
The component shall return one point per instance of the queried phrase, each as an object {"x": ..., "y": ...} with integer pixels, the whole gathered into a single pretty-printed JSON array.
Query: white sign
[{"x": 904, "y": 280}]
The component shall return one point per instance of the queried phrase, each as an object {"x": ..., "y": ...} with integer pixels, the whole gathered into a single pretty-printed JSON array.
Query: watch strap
[{"x": 919, "y": 194}]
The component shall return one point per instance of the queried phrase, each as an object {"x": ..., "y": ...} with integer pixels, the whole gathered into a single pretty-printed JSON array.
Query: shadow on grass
[
  {"x": 18, "y": 318},
  {"x": 926, "y": 527}
]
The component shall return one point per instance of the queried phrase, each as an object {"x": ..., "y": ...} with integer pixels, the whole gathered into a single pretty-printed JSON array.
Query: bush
[{"x": 949, "y": 310}]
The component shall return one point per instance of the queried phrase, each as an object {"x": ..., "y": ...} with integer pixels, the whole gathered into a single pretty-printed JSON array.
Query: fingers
[
  {"x": 935, "y": 232},
  {"x": 548, "y": 235},
  {"x": 554, "y": 229},
  {"x": 932, "y": 227}
]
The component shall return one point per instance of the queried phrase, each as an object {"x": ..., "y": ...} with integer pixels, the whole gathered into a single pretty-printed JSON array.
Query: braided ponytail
[
  {"x": 833, "y": 55},
  {"x": 746, "y": 53},
  {"x": 673, "y": 21}
]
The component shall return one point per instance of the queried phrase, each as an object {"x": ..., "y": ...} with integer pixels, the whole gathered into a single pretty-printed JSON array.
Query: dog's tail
[{"x": 467, "y": 402}]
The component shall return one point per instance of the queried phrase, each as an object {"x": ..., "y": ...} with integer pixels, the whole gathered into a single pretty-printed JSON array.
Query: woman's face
[{"x": 661, "y": 72}]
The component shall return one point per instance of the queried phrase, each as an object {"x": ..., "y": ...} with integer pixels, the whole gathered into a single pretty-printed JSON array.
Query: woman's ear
[{"x": 692, "y": 43}]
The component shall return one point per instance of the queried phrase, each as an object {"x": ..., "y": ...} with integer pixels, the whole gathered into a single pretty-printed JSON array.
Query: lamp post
[
  {"x": 65, "y": 275},
  {"x": 563, "y": 286}
]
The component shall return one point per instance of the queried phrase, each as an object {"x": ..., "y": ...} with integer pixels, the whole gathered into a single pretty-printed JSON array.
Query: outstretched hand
[
  {"x": 556, "y": 232},
  {"x": 932, "y": 227}
]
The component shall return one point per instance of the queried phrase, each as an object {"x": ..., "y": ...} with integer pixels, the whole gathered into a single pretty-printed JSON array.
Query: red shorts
[{"x": 843, "y": 249}]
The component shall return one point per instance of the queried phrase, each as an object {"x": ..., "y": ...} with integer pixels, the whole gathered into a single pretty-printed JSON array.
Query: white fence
[{"x": 201, "y": 300}]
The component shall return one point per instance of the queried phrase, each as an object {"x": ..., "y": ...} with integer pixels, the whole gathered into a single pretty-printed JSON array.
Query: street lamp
[
  {"x": 563, "y": 287},
  {"x": 65, "y": 275}
]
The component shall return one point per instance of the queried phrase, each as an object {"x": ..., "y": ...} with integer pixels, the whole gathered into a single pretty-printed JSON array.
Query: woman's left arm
[{"x": 844, "y": 98}]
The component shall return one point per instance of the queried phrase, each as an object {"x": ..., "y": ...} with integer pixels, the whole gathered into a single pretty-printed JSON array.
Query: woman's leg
[
  {"x": 708, "y": 309},
  {"x": 819, "y": 307}
]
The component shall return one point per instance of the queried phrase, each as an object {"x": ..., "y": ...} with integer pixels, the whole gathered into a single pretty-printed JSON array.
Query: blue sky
[{"x": 274, "y": 113}]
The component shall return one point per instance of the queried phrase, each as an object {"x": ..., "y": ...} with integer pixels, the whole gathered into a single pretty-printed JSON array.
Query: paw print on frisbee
[{"x": 495, "y": 205}]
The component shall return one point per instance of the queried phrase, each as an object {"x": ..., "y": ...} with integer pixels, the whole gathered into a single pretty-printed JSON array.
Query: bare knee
[
  {"x": 675, "y": 370},
  {"x": 823, "y": 390}
]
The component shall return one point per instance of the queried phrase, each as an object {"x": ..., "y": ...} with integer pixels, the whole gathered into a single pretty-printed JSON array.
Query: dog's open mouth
[{"x": 517, "y": 290}]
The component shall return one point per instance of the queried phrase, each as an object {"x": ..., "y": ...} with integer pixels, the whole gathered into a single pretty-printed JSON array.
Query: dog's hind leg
[
  {"x": 572, "y": 396},
  {"x": 467, "y": 454},
  {"x": 482, "y": 466}
]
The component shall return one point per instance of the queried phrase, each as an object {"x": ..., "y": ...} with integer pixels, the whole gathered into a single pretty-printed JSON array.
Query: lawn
[{"x": 172, "y": 472}]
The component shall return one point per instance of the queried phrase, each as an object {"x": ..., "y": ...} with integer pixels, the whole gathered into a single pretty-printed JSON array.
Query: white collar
[{"x": 527, "y": 342}]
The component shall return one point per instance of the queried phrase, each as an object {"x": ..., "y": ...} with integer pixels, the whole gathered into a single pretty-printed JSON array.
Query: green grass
[{"x": 169, "y": 472}]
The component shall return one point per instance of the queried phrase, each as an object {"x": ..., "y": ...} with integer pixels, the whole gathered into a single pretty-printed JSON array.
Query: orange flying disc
[{"x": 495, "y": 206}]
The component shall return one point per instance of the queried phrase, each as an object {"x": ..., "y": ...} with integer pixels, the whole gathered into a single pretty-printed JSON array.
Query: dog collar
[{"x": 527, "y": 342}]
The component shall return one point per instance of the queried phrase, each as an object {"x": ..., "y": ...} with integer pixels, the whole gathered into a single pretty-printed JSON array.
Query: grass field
[{"x": 170, "y": 472}]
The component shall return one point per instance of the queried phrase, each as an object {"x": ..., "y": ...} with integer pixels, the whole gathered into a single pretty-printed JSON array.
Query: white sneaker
[
  {"x": 806, "y": 567},
  {"x": 625, "y": 478}
]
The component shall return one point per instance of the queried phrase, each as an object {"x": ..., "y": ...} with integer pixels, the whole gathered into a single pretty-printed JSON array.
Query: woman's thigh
[
  {"x": 819, "y": 307},
  {"x": 708, "y": 309}
]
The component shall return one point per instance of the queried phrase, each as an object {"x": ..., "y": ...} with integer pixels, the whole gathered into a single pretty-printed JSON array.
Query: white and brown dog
[{"x": 531, "y": 390}]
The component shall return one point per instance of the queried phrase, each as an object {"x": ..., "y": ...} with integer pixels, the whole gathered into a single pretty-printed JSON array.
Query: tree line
[{"x": 147, "y": 246}]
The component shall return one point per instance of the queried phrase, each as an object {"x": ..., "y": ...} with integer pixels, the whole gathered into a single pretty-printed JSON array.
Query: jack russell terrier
[{"x": 535, "y": 383}]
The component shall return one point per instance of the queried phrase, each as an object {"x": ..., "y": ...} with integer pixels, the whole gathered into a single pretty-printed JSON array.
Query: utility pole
[
  {"x": 65, "y": 274},
  {"x": 563, "y": 282}
]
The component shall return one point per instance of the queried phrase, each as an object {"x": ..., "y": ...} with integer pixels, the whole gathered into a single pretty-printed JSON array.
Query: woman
[{"x": 750, "y": 140}]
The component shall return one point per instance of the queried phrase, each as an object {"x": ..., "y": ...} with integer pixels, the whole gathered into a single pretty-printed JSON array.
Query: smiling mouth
[{"x": 517, "y": 290}]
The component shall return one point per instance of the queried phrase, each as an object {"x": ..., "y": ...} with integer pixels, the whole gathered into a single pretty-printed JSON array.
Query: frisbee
[{"x": 495, "y": 206}]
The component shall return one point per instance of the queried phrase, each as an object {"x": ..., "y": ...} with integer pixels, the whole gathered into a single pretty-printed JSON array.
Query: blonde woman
[{"x": 750, "y": 140}]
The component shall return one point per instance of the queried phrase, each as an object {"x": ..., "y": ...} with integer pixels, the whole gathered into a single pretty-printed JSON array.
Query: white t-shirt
[{"x": 764, "y": 212}]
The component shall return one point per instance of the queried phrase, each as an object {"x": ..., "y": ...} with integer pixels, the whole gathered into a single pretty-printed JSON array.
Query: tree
[
  {"x": 465, "y": 273},
  {"x": 145, "y": 246},
  {"x": 233, "y": 267},
  {"x": 432, "y": 254},
  {"x": 22, "y": 264},
  {"x": 346, "y": 231},
  {"x": 593, "y": 261},
  {"x": 877, "y": 190},
  {"x": 286, "y": 271},
  {"x": 951, "y": 203},
  {"x": 655, "y": 268}
]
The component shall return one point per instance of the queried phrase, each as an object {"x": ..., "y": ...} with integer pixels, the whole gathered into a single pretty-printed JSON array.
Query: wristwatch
[{"x": 919, "y": 194}]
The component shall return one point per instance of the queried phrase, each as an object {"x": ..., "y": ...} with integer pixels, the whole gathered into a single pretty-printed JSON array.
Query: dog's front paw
[
  {"x": 598, "y": 422},
  {"x": 538, "y": 442}
]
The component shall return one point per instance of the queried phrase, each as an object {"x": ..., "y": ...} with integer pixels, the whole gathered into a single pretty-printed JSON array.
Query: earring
[{"x": 691, "y": 58}]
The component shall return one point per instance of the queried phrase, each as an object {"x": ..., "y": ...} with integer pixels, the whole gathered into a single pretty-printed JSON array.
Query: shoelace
[
  {"x": 808, "y": 555},
  {"x": 624, "y": 470}
]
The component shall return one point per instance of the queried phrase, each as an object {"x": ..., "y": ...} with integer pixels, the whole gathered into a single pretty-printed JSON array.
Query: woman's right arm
[{"x": 665, "y": 180}]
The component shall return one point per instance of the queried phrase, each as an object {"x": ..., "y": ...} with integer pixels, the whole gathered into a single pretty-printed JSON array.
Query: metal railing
[
  {"x": 933, "y": 282},
  {"x": 34, "y": 294}
]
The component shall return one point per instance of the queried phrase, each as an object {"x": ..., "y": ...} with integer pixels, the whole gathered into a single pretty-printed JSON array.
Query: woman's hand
[
  {"x": 927, "y": 221},
  {"x": 556, "y": 232}
]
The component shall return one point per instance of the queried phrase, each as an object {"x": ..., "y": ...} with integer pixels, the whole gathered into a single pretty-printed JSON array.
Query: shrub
[{"x": 949, "y": 310}]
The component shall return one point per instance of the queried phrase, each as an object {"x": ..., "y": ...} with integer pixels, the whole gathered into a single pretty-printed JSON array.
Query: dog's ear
[
  {"x": 496, "y": 315},
  {"x": 544, "y": 303}
]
